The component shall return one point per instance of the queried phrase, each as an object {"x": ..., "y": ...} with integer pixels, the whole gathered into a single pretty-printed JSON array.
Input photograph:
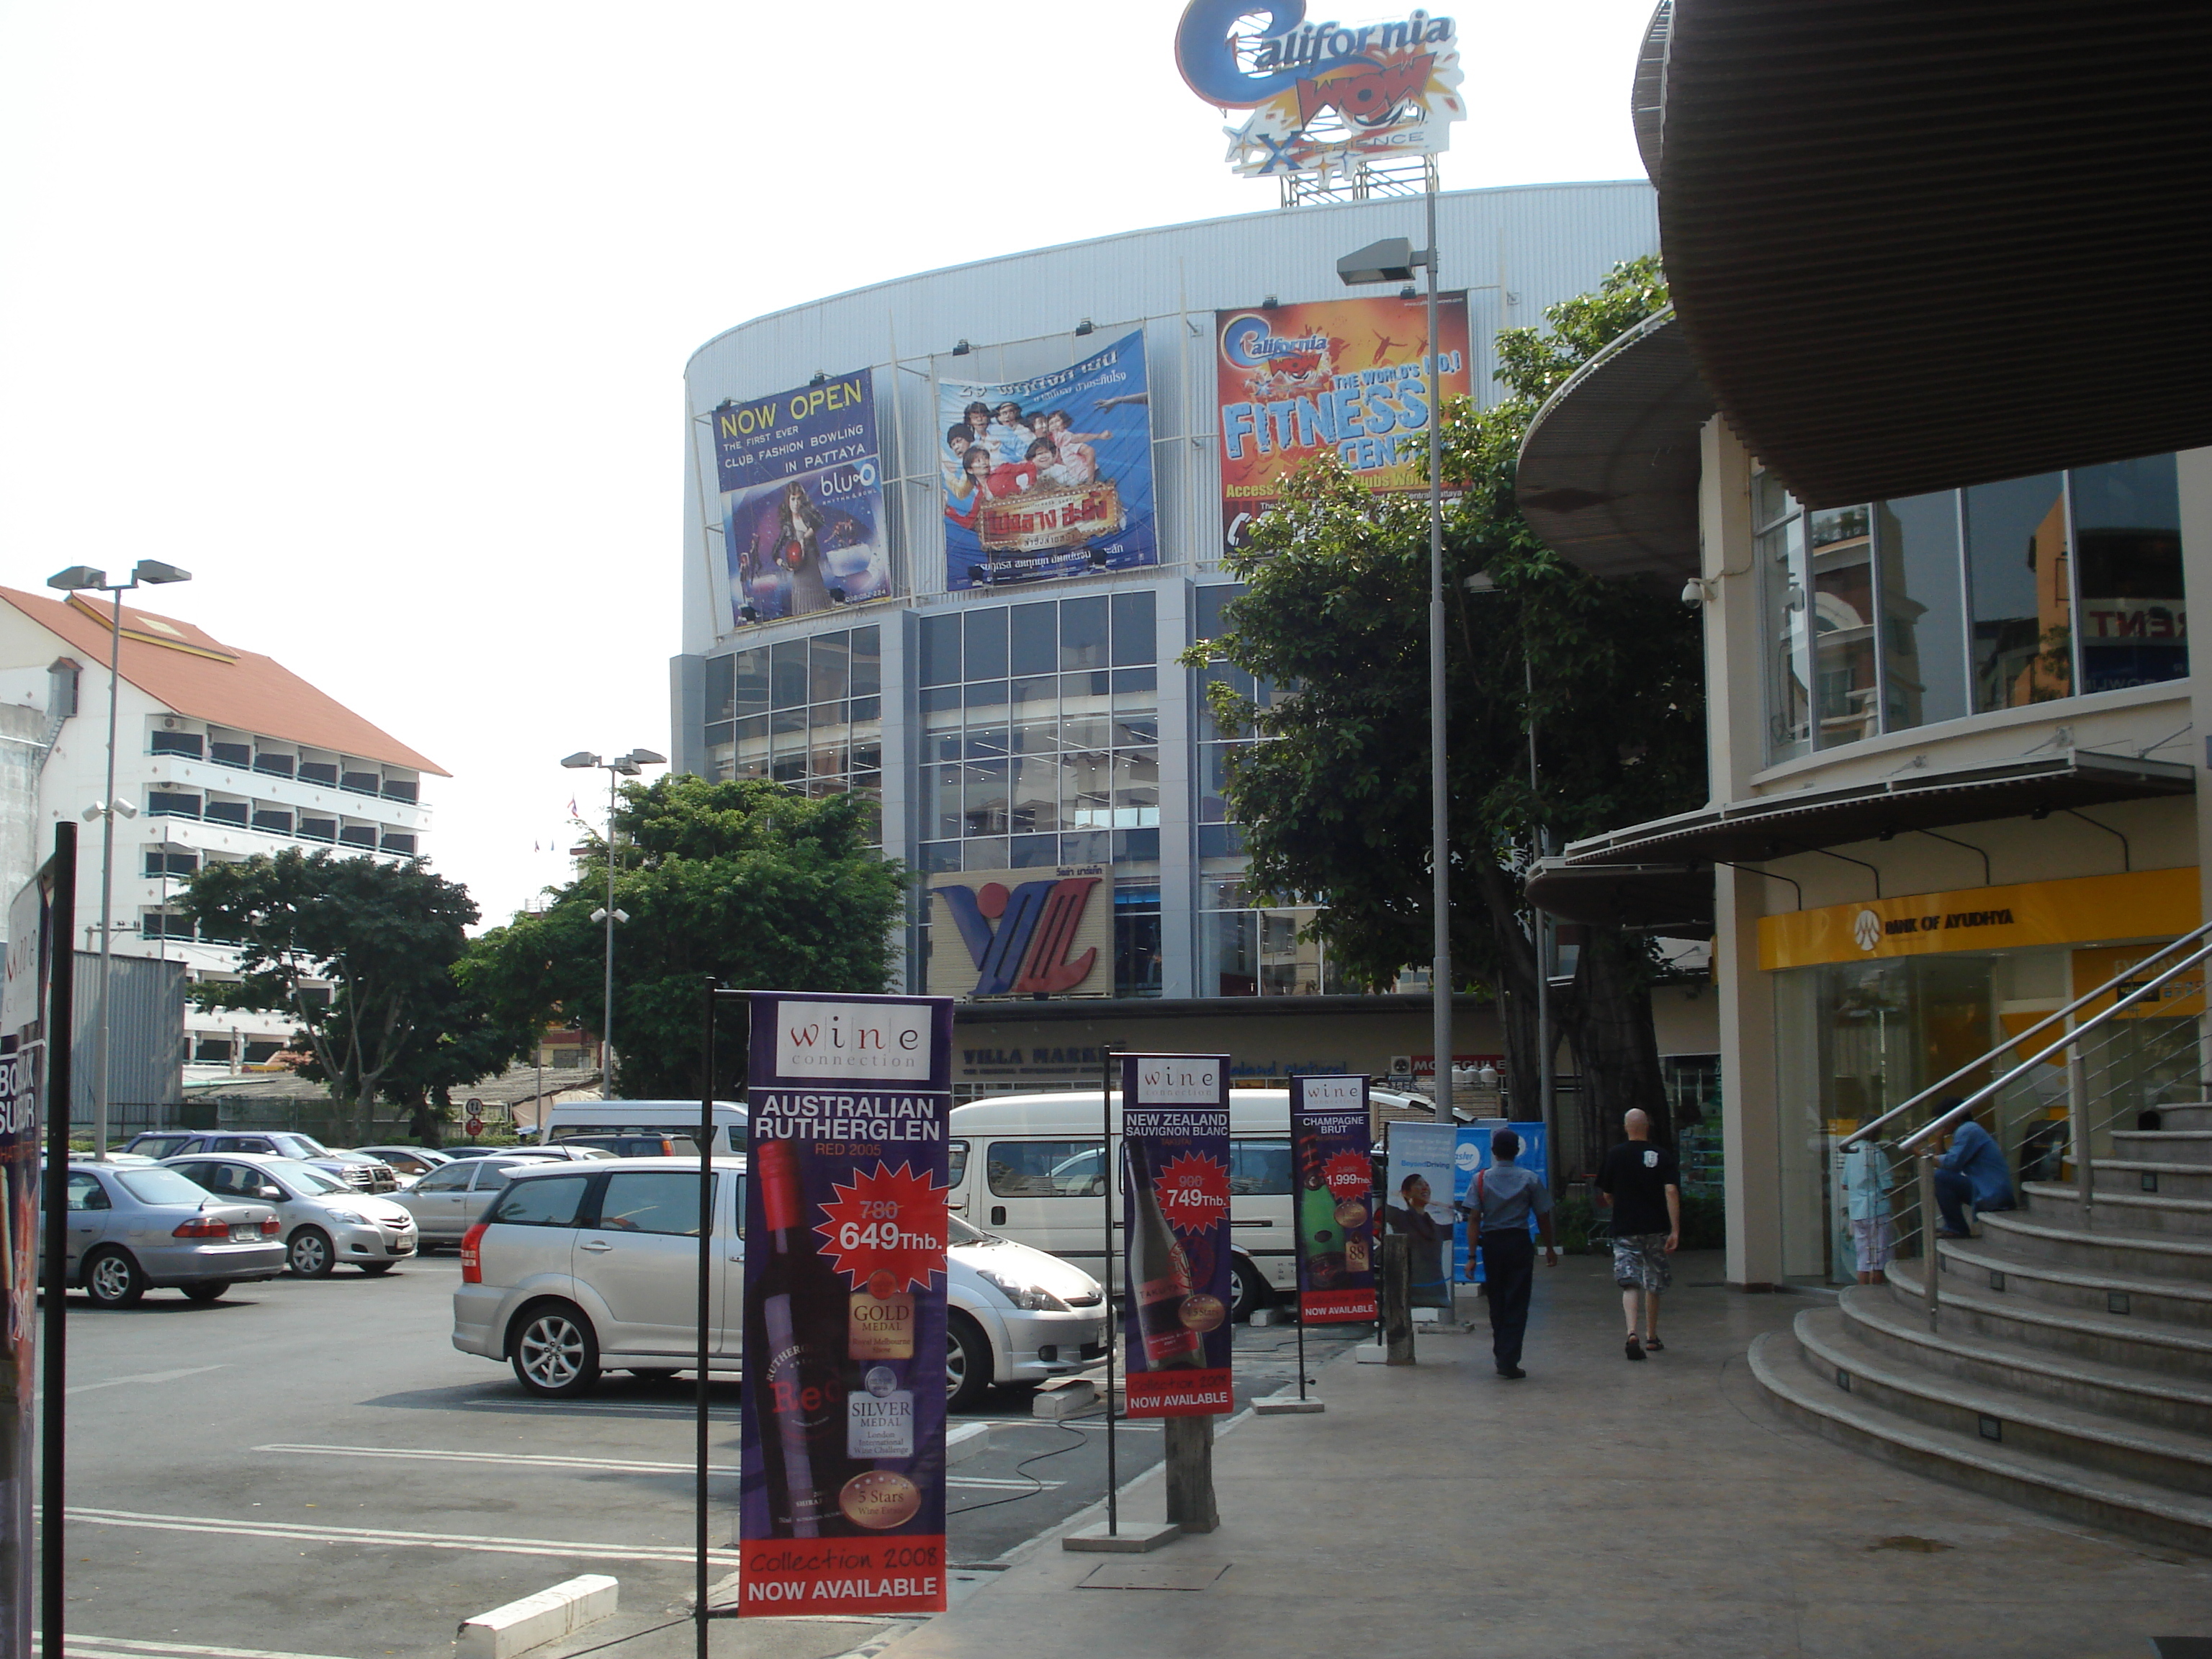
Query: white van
[
  {"x": 644, "y": 1129},
  {"x": 1029, "y": 1167}
]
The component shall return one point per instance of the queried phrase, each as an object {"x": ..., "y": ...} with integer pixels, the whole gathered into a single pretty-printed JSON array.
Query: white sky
[{"x": 374, "y": 317}]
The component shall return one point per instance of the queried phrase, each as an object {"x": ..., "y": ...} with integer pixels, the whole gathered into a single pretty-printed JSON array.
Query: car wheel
[
  {"x": 376, "y": 1269},
  {"x": 967, "y": 1364},
  {"x": 112, "y": 1280},
  {"x": 310, "y": 1254},
  {"x": 207, "y": 1291},
  {"x": 1248, "y": 1289},
  {"x": 556, "y": 1354}
]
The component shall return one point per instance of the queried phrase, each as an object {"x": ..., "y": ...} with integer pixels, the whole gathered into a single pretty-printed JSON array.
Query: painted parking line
[
  {"x": 79, "y": 1646},
  {"x": 585, "y": 1465},
  {"x": 142, "y": 1377},
  {"x": 300, "y": 1532}
]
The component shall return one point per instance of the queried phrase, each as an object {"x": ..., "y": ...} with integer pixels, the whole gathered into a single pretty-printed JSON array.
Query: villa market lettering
[{"x": 1943, "y": 921}]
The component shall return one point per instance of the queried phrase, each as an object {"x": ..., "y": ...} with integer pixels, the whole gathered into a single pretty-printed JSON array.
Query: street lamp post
[
  {"x": 80, "y": 578},
  {"x": 621, "y": 767}
]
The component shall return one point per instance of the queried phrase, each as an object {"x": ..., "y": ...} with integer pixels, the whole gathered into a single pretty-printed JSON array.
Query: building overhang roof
[
  {"x": 1608, "y": 469},
  {"x": 1673, "y": 901},
  {"x": 1809, "y": 820},
  {"x": 1920, "y": 244}
]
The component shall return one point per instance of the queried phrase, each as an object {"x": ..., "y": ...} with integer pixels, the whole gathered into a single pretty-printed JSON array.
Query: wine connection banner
[
  {"x": 1051, "y": 475},
  {"x": 23, "y": 1011},
  {"x": 1329, "y": 1140},
  {"x": 1350, "y": 375},
  {"x": 1175, "y": 1218},
  {"x": 842, "y": 1501},
  {"x": 802, "y": 500}
]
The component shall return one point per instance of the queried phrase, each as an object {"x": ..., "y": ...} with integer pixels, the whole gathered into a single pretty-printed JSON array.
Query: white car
[
  {"x": 324, "y": 1220},
  {"x": 581, "y": 1269}
]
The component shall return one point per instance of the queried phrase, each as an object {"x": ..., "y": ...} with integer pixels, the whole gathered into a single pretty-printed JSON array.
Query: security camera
[{"x": 1693, "y": 593}]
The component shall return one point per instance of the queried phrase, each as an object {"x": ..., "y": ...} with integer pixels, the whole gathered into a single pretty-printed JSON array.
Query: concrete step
[
  {"x": 2179, "y": 1302},
  {"x": 2119, "y": 1391},
  {"x": 2117, "y": 1246},
  {"x": 2173, "y": 1145},
  {"x": 2137, "y": 1175},
  {"x": 2153, "y": 1213},
  {"x": 2163, "y": 1457},
  {"x": 2185, "y": 1114},
  {"x": 2145, "y": 1344},
  {"x": 2013, "y": 1472}
]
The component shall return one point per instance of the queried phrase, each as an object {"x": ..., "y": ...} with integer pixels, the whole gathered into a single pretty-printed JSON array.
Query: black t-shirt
[{"x": 1636, "y": 1173}]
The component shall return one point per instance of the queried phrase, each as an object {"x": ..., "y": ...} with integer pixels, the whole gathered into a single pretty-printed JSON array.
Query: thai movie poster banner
[
  {"x": 1417, "y": 1180},
  {"x": 1175, "y": 1216},
  {"x": 1471, "y": 1155},
  {"x": 802, "y": 490},
  {"x": 841, "y": 1418},
  {"x": 1350, "y": 375},
  {"x": 1335, "y": 1180},
  {"x": 23, "y": 1012},
  {"x": 1051, "y": 475}
]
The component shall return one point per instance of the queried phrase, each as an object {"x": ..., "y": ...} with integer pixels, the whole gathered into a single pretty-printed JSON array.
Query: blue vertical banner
[
  {"x": 1175, "y": 1218},
  {"x": 1472, "y": 1155},
  {"x": 1333, "y": 1182},
  {"x": 1417, "y": 1202},
  {"x": 841, "y": 1499}
]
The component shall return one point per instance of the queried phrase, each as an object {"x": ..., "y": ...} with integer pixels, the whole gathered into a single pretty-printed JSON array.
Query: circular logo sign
[{"x": 1866, "y": 928}]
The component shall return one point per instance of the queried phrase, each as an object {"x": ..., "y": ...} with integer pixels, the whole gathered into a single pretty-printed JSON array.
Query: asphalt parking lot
[{"x": 308, "y": 1467}]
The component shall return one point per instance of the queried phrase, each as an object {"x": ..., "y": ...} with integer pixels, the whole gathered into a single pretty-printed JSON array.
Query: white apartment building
[{"x": 224, "y": 753}]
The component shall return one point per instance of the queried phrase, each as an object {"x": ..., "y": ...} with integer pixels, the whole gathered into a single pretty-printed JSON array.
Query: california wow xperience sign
[
  {"x": 841, "y": 1500},
  {"x": 1175, "y": 1241}
]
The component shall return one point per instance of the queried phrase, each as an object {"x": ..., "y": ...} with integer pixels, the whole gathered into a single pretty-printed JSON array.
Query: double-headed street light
[
  {"x": 83, "y": 578},
  {"x": 621, "y": 767}
]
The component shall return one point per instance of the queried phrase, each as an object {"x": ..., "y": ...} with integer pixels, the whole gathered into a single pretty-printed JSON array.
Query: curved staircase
[{"x": 2070, "y": 1367}]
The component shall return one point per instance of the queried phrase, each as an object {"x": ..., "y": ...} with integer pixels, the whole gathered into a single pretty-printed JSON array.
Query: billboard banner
[
  {"x": 1023, "y": 932},
  {"x": 1350, "y": 375},
  {"x": 802, "y": 500},
  {"x": 1175, "y": 1240},
  {"x": 1335, "y": 1180},
  {"x": 1051, "y": 475},
  {"x": 23, "y": 1014},
  {"x": 1416, "y": 1201},
  {"x": 1470, "y": 1157},
  {"x": 842, "y": 1501}
]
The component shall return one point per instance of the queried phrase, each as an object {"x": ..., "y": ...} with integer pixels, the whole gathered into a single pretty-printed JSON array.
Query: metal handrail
[{"x": 2048, "y": 1020}]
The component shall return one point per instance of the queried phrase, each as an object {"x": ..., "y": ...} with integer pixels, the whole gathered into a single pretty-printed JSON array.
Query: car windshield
[
  {"x": 961, "y": 1232},
  {"x": 304, "y": 1177},
  {"x": 157, "y": 1185}
]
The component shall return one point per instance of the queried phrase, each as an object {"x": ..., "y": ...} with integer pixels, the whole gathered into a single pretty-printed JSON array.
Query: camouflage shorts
[{"x": 1640, "y": 1262}]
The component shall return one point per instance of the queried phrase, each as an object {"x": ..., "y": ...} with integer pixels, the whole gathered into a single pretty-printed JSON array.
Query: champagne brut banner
[
  {"x": 842, "y": 1502},
  {"x": 23, "y": 1008},
  {"x": 1175, "y": 1216},
  {"x": 1329, "y": 1138}
]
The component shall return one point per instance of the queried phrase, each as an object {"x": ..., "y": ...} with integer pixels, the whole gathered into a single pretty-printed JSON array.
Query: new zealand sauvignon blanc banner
[
  {"x": 1051, "y": 475},
  {"x": 22, "y": 1076},
  {"x": 1175, "y": 1215},
  {"x": 802, "y": 500},
  {"x": 842, "y": 1501},
  {"x": 1350, "y": 375},
  {"x": 1329, "y": 1138}
]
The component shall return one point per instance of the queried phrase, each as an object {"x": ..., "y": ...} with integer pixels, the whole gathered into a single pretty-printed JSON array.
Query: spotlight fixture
[
  {"x": 821, "y": 378},
  {"x": 962, "y": 348},
  {"x": 1086, "y": 326}
]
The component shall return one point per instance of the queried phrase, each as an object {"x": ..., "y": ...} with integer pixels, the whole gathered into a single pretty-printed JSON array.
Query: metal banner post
[
  {"x": 699, "y": 1613},
  {"x": 59, "y": 1021},
  {"x": 1107, "y": 1054}
]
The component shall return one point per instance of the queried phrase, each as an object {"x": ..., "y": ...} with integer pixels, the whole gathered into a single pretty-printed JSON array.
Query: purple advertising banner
[
  {"x": 22, "y": 1073},
  {"x": 1175, "y": 1218},
  {"x": 842, "y": 1501},
  {"x": 1335, "y": 1187}
]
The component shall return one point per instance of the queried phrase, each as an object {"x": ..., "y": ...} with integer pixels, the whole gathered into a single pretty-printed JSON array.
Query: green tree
[
  {"x": 471, "y": 1043},
  {"x": 746, "y": 882},
  {"x": 358, "y": 950},
  {"x": 1334, "y": 797}
]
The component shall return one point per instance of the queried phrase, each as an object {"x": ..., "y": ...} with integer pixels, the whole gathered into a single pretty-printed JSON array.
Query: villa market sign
[{"x": 1324, "y": 97}]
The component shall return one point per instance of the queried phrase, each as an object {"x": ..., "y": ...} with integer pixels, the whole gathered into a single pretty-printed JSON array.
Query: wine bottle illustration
[
  {"x": 1159, "y": 1273},
  {"x": 802, "y": 1401},
  {"x": 1319, "y": 1236}
]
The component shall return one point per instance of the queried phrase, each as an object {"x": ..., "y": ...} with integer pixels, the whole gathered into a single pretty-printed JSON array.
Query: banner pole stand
[
  {"x": 58, "y": 1024},
  {"x": 1106, "y": 1181},
  {"x": 699, "y": 1614}
]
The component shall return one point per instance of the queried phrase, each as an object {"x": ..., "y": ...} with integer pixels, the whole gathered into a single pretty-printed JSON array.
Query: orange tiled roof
[{"x": 196, "y": 674}]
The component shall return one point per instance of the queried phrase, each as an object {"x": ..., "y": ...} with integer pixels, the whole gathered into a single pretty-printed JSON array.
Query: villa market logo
[{"x": 1023, "y": 939}]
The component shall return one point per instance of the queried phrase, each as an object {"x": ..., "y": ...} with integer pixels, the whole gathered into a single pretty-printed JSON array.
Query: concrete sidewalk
[{"x": 1598, "y": 1508}]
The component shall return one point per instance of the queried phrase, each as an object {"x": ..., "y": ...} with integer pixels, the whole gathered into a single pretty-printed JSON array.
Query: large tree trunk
[
  {"x": 1609, "y": 1024},
  {"x": 1513, "y": 956}
]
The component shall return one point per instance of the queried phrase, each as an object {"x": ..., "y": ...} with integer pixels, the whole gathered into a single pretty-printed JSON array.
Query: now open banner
[{"x": 1175, "y": 1240}]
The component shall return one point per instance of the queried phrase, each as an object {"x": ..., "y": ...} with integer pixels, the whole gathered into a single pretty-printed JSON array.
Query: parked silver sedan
[
  {"x": 139, "y": 1227},
  {"x": 324, "y": 1221},
  {"x": 451, "y": 1198}
]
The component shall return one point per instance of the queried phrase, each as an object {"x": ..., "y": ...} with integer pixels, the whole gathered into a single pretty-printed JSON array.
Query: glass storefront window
[
  {"x": 1840, "y": 549},
  {"x": 1137, "y": 940},
  {"x": 1781, "y": 560},
  {"x": 2021, "y": 590},
  {"x": 1924, "y": 635},
  {"x": 2127, "y": 527}
]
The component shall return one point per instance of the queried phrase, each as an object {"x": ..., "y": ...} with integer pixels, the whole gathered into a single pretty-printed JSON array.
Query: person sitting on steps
[{"x": 1971, "y": 1172}]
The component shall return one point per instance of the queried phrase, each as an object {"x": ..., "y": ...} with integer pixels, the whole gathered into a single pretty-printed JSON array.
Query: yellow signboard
[
  {"x": 2147, "y": 904},
  {"x": 2182, "y": 996}
]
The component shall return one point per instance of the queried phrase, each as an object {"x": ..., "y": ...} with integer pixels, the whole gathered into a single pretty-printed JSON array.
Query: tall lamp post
[
  {"x": 1393, "y": 260},
  {"x": 83, "y": 578},
  {"x": 621, "y": 767}
]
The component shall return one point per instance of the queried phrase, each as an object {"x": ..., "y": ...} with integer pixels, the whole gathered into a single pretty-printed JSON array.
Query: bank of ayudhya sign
[{"x": 1023, "y": 932}]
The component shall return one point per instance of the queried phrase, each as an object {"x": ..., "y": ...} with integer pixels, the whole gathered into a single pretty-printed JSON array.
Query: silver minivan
[{"x": 582, "y": 1268}]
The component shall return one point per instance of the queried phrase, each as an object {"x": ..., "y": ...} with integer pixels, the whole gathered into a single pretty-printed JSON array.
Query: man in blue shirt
[
  {"x": 1973, "y": 1172},
  {"x": 1506, "y": 1196}
]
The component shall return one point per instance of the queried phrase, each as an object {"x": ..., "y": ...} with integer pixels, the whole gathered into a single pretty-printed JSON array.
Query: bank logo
[
  {"x": 1866, "y": 929},
  {"x": 1023, "y": 939}
]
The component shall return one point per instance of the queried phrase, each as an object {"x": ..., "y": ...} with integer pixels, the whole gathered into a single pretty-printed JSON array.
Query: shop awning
[
  {"x": 1673, "y": 901},
  {"x": 1917, "y": 244},
  {"x": 1809, "y": 820},
  {"x": 1608, "y": 469}
]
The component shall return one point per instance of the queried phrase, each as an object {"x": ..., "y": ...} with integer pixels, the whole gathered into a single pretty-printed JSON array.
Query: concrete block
[
  {"x": 1069, "y": 1398},
  {"x": 1287, "y": 1405},
  {"x": 1134, "y": 1538},
  {"x": 1262, "y": 1317},
  {"x": 1372, "y": 1353},
  {"x": 536, "y": 1620},
  {"x": 965, "y": 1440}
]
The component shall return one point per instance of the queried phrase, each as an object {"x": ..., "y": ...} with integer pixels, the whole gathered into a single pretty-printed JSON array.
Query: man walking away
[
  {"x": 1505, "y": 1195},
  {"x": 1643, "y": 1184}
]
